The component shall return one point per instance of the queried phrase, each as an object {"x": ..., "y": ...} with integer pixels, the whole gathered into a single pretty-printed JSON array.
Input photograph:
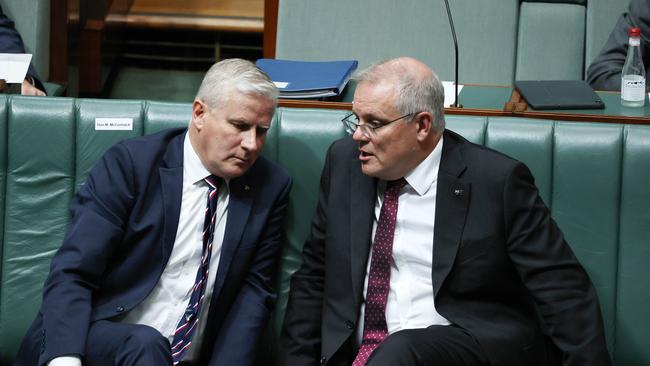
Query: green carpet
[{"x": 151, "y": 84}]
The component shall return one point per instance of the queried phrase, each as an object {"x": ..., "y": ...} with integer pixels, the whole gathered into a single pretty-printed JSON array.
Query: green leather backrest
[
  {"x": 91, "y": 144},
  {"x": 305, "y": 135},
  {"x": 3, "y": 172},
  {"x": 40, "y": 143},
  {"x": 594, "y": 177},
  {"x": 633, "y": 282}
]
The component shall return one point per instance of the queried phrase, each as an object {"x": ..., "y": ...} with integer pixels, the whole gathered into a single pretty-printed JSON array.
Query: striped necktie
[
  {"x": 187, "y": 325},
  {"x": 375, "y": 329}
]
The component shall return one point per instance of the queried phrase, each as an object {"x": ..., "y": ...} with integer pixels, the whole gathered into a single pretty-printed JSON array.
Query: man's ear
[
  {"x": 424, "y": 122},
  {"x": 198, "y": 114}
]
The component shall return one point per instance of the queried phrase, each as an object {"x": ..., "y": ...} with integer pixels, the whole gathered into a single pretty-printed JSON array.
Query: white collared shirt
[
  {"x": 163, "y": 308},
  {"x": 411, "y": 299}
]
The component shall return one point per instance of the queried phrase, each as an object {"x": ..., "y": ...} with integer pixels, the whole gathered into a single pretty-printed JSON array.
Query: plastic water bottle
[{"x": 633, "y": 76}]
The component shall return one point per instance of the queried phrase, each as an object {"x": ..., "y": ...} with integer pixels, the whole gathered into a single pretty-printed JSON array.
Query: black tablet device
[{"x": 559, "y": 94}]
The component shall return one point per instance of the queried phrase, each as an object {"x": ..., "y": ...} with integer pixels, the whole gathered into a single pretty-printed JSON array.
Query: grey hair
[
  {"x": 414, "y": 93},
  {"x": 238, "y": 75}
]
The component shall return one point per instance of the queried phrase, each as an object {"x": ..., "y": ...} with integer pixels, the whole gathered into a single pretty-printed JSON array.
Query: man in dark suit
[
  {"x": 10, "y": 42},
  {"x": 604, "y": 72},
  {"x": 427, "y": 249},
  {"x": 149, "y": 274}
]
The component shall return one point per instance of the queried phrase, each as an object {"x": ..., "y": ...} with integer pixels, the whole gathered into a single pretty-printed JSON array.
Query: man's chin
[
  {"x": 237, "y": 170},
  {"x": 369, "y": 170}
]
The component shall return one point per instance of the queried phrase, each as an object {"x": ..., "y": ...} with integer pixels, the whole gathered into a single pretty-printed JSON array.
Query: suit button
[
  {"x": 323, "y": 360},
  {"x": 349, "y": 324},
  {"x": 119, "y": 309}
]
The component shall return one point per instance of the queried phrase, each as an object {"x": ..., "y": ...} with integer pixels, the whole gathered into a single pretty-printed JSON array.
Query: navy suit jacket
[
  {"x": 123, "y": 226},
  {"x": 500, "y": 264}
]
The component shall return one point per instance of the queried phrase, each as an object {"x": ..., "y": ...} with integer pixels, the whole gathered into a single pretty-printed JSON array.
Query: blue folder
[{"x": 308, "y": 79}]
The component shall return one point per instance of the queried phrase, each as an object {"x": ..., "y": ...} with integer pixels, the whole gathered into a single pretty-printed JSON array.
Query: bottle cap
[{"x": 634, "y": 32}]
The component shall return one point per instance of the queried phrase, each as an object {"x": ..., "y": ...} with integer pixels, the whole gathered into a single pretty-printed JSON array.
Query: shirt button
[
  {"x": 349, "y": 324},
  {"x": 119, "y": 309}
]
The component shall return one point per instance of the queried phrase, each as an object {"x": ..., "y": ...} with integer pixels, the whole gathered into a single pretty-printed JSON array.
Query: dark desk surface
[{"x": 490, "y": 101}]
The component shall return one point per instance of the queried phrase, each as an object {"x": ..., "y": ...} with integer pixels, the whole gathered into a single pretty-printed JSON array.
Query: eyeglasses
[{"x": 351, "y": 123}]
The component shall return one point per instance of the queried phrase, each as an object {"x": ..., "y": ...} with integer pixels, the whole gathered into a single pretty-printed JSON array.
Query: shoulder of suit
[
  {"x": 163, "y": 136},
  {"x": 142, "y": 149},
  {"x": 343, "y": 146}
]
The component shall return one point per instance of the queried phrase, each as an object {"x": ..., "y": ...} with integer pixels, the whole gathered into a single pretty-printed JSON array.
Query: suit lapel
[
  {"x": 451, "y": 209},
  {"x": 171, "y": 182},
  {"x": 240, "y": 204},
  {"x": 362, "y": 204}
]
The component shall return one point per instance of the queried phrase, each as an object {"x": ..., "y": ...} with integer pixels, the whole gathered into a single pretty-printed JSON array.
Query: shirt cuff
[{"x": 65, "y": 361}]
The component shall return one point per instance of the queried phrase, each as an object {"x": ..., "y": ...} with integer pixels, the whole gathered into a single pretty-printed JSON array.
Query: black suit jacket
[
  {"x": 121, "y": 234},
  {"x": 500, "y": 263},
  {"x": 604, "y": 72}
]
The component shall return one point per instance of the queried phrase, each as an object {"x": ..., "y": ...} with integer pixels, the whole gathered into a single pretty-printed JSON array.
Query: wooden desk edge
[
  {"x": 560, "y": 116},
  {"x": 223, "y": 24}
]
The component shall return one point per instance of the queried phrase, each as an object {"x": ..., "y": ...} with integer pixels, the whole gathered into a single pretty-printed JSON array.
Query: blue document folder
[{"x": 308, "y": 79}]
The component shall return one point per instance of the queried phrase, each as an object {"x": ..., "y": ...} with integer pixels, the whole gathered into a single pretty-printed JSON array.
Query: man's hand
[{"x": 28, "y": 89}]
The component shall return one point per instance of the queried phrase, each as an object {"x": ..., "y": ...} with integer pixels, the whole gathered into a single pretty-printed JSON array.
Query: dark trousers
[
  {"x": 436, "y": 345},
  {"x": 109, "y": 344},
  {"x": 118, "y": 344}
]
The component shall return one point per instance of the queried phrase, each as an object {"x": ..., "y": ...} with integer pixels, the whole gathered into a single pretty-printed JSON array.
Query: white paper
[
  {"x": 449, "y": 92},
  {"x": 281, "y": 84},
  {"x": 113, "y": 124},
  {"x": 13, "y": 66}
]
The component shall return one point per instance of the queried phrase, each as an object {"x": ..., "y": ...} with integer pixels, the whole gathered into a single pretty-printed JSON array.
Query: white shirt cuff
[{"x": 65, "y": 361}]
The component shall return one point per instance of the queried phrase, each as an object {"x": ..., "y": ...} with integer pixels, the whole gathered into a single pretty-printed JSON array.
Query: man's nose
[
  {"x": 249, "y": 140},
  {"x": 359, "y": 135}
]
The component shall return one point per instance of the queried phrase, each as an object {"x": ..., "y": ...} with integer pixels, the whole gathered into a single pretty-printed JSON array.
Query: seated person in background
[
  {"x": 426, "y": 249},
  {"x": 10, "y": 42},
  {"x": 604, "y": 73},
  {"x": 171, "y": 249}
]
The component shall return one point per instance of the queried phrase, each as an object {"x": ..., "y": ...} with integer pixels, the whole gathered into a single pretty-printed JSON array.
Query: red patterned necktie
[
  {"x": 186, "y": 326},
  {"x": 374, "y": 319}
]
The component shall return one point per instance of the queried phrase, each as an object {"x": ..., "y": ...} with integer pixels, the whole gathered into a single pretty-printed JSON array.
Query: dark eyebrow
[{"x": 372, "y": 118}]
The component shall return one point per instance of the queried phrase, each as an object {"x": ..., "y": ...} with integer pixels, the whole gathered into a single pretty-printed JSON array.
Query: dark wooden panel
[
  {"x": 59, "y": 41},
  {"x": 270, "y": 27}
]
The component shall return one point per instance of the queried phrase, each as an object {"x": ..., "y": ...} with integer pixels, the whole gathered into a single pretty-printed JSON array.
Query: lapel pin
[
  {"x": 458, "y": 192},
  {"x": 247, "y": 187}
]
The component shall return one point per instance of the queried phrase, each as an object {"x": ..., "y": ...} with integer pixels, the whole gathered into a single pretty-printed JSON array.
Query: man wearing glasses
[{"x": 426, "y": 249}]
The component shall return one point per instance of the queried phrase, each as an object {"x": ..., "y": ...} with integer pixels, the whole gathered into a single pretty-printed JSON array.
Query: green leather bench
[{"x": 594, "y": 176}]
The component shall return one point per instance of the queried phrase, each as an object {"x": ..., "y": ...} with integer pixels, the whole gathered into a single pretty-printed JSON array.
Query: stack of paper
[
  {"x": 13, "y": 66},
  {"x": 308, "y": 79}
]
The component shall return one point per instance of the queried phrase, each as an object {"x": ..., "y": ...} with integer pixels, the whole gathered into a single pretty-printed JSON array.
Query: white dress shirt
[
  {"x": 410, "y": 301},
  {"x": 163, "y": 308}
]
